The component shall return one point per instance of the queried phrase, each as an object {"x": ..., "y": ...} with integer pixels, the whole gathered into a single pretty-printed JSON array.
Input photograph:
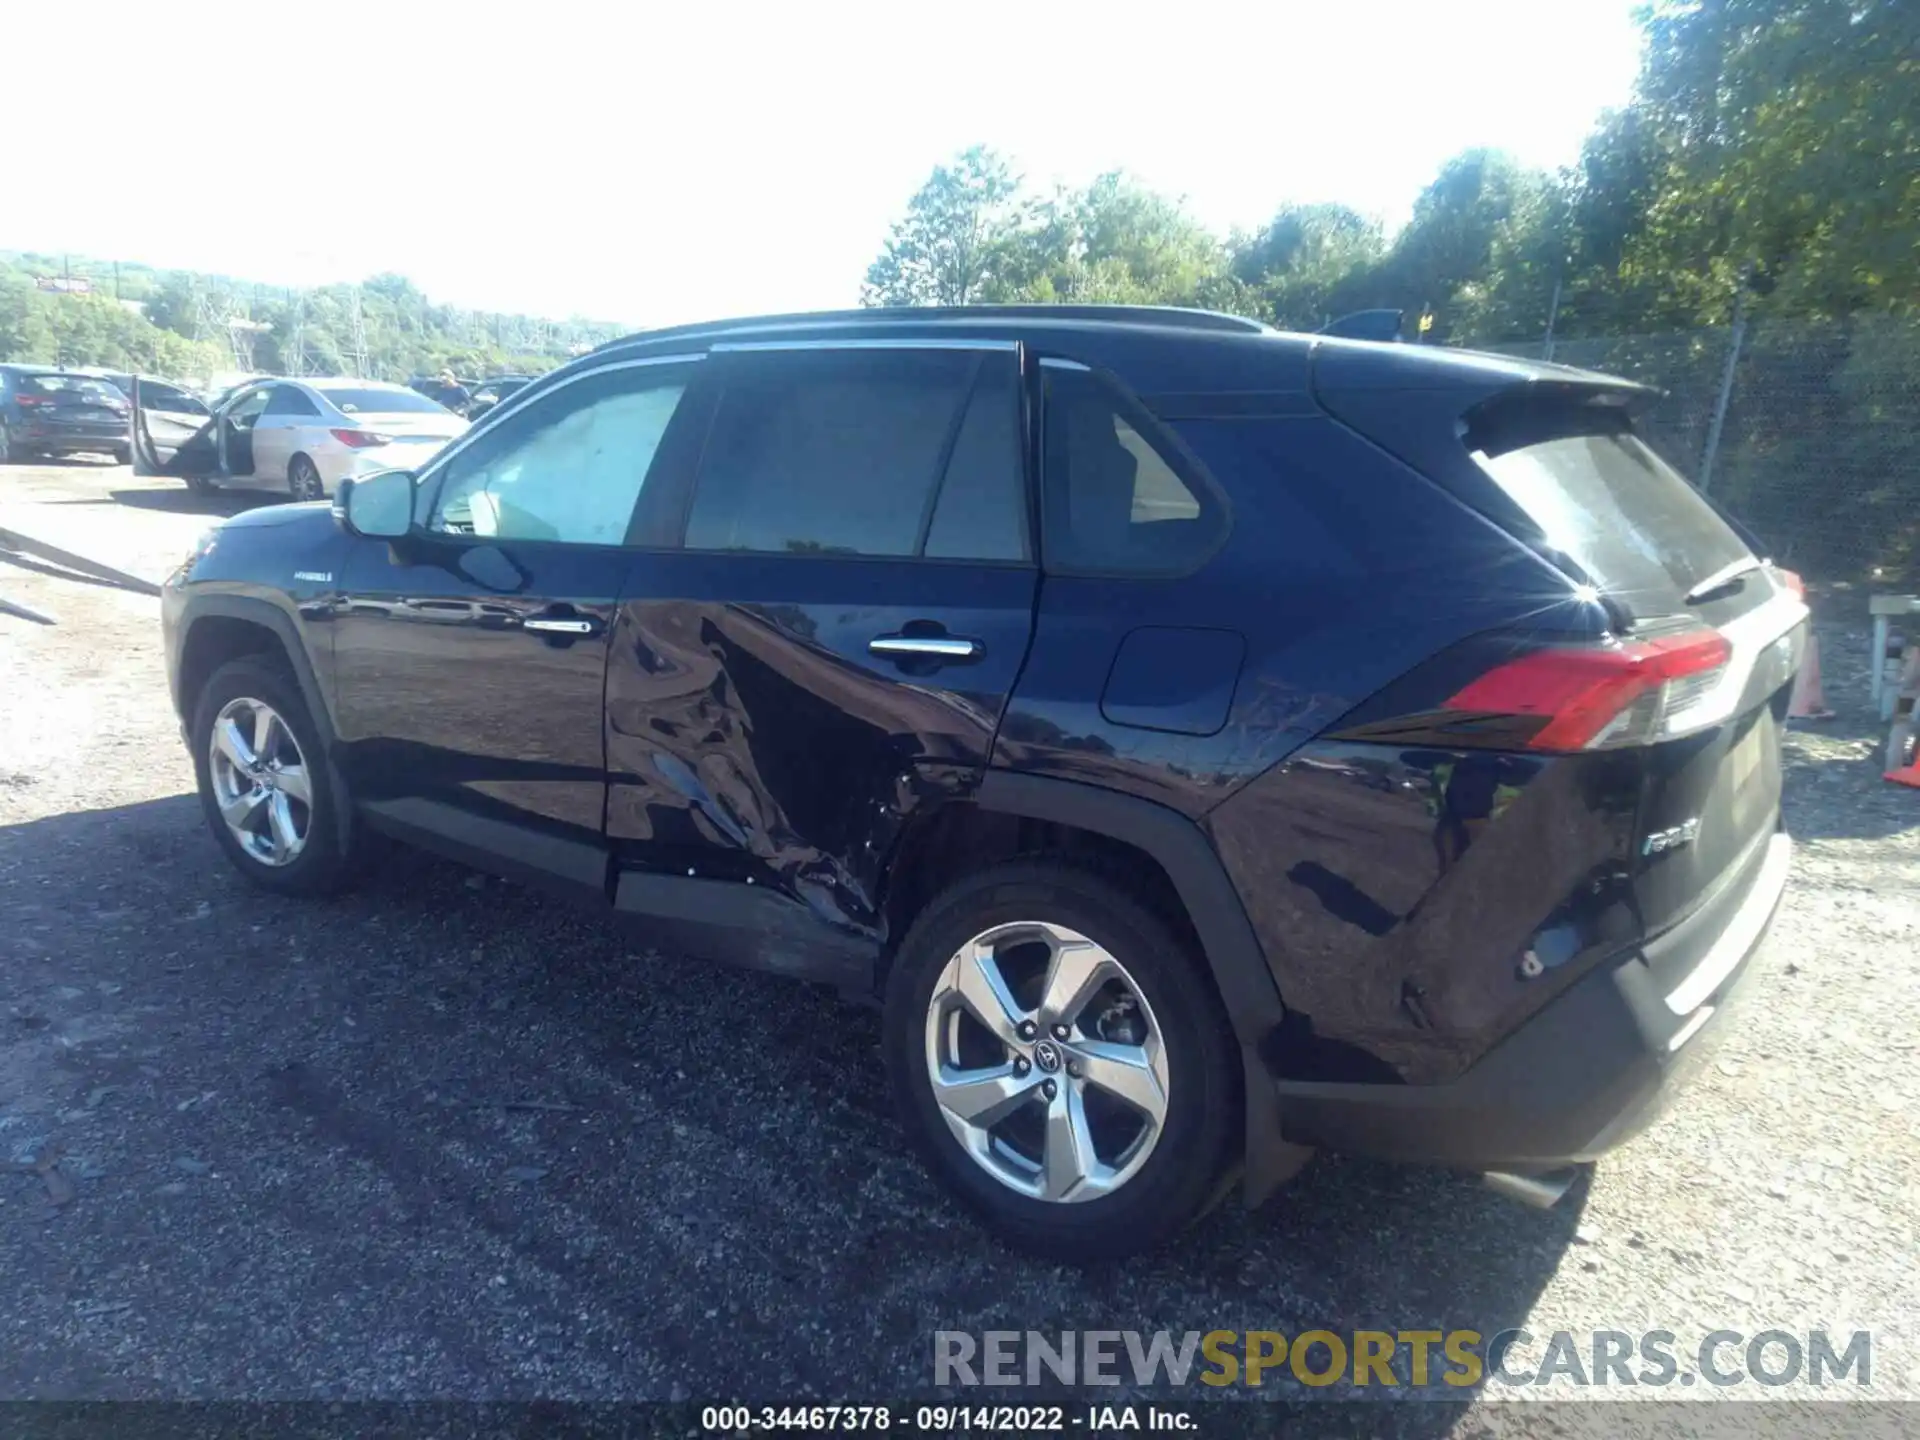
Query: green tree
[
  {"x": 1303, "y": 266},
  {"x": 955, "y": 238}
]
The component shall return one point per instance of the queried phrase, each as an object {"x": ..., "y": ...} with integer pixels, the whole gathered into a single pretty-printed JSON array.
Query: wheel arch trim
[
  {"x": 1230, "y": 947},
  {"x": 271, "y": 617},
  {"x": 1232, "y": 950}
]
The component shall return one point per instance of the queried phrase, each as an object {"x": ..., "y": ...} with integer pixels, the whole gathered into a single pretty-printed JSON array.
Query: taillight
[
  {"x": 361, "y": 439},
  {"x": 1629, "y": 692},
  {"x": 26, "y": 400}
]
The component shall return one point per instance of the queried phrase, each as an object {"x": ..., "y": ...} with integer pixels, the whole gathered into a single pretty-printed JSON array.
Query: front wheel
[
  {"x": 123, "y": 455},
  {"x": 1063, "y": 1061},
  {"x": 265, "y": 781},
  {"x": 303, "y": 479}
]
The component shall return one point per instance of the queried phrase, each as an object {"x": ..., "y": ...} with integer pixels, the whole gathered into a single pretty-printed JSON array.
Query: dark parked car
[
  {"x": 1208, "y": 744},
  {"x": 48, "y": 411},
  {"x": 488, "y": 393}
]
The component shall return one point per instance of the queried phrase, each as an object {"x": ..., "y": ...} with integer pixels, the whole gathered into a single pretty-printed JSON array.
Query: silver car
[{"x": 304, "y": 436}]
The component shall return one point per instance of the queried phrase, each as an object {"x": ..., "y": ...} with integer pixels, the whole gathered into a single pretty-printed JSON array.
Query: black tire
[
  {"x": 1199, "y": 1139},
  {"x": 324, "y": 864},
  {"x": 7, "y": 455},
  {"x": 303, "y": 479},
  {"x": 123, "y": 455}
]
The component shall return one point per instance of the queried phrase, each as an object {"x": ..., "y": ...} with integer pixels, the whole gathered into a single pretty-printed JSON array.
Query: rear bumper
[
  {"x": 1588, "y": 1072},
  {"x": 60, "y": 437}
]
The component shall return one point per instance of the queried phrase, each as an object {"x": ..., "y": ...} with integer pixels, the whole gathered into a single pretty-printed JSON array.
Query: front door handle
[{"x": 926, "y": 647}]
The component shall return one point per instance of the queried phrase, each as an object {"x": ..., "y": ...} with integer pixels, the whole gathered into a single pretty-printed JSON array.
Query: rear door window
[
  {"x": 1601, "y": 496},
  {"x": 845, "y": 453}
]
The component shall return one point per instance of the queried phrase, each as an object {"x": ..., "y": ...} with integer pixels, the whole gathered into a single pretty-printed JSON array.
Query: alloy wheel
[
  {"x": 1046, "y": 1062},
  {"x": 261, "y": 782},
  {"x": 305, "y": 480}
]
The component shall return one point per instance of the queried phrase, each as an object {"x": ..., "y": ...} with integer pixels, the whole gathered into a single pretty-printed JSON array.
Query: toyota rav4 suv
[{"x": 1206, "y": 744}]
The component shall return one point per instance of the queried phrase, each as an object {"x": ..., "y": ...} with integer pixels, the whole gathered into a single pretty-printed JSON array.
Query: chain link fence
[{"x": 1818, "y": 445}]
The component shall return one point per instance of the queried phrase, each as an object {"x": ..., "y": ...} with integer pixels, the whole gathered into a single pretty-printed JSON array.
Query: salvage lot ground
[{"x": 446, "y": 1138}]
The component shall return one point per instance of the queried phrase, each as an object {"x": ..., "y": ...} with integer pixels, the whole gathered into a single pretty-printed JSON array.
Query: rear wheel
[
  {"x": 1061, "y": 1058},
  {"x": 265, "y": 782},
  {"x": 6, "y": 446},
  {"x": 303, "y": 479},
  {"x": 123, "y": 454}
]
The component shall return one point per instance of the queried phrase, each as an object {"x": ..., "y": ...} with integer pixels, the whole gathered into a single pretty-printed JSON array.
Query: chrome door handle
[
  {"x": 572, "y": 625},
  {"x": 940, "y": 647}
]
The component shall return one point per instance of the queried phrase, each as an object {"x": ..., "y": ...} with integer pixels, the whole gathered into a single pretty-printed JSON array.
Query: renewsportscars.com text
[{"x": 1448, "y": 1359}]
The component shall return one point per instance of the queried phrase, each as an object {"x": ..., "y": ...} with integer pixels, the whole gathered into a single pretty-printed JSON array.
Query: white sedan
[{"x": 304, "y": 436}]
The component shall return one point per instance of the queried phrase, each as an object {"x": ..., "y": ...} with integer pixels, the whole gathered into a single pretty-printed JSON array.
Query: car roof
[{"x": 1160, "y": 351}]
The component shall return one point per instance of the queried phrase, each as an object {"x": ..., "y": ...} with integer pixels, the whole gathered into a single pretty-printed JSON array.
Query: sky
[{"x": 652, "y": 164}]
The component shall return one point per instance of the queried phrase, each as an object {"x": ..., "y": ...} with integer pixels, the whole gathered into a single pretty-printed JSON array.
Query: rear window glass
[
  {"x": 1625, "y": 516},
  {"x": 83, "y": 386},
  {"x": 383, "y": 402}
]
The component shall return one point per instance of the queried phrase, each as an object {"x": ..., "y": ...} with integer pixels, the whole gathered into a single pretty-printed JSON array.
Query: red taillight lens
[
  {"x": 361, "y": 439},
  {"x": 26, "y": 400},
  {"x": 1791, "y": 579},
  {"x": 1617, "y": 694}
]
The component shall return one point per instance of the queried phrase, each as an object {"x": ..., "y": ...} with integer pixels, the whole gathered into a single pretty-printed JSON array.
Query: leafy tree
[
  {"x": 955, "y": 238},
  {"x": 1303, "y": 266}
]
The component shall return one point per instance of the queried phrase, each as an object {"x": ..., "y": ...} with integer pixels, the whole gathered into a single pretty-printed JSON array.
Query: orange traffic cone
[
  {"x": 1909, "y": 773},
  {"x": 1809, "y": 702}
]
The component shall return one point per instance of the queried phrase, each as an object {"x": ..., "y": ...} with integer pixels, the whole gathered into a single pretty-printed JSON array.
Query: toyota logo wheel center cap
[{"x": 1046, "y": 1056}]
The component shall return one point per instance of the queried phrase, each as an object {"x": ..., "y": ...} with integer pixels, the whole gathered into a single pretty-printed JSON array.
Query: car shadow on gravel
[
  {"x": 441, "y": 1086},
  {"x": 182, "y": 501}
]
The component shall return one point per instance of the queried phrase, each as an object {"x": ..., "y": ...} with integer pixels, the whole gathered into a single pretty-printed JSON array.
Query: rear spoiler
[{"x": 1366, "y": 325}]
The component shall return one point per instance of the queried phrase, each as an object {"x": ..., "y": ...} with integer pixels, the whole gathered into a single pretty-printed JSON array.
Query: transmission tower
[
  {"x": 296, "y": 348},
  {"x": 356, "y": 335}
]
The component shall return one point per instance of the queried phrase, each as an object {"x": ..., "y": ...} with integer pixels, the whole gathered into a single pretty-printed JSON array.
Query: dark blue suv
[{"x": 1208, "y": 744}]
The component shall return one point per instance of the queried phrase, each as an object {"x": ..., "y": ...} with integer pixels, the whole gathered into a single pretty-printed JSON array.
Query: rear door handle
[{"x": 939, "y": 647}]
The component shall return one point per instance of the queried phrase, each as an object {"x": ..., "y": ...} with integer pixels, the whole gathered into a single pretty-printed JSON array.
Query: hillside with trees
[{"x": 183, "y": 323}]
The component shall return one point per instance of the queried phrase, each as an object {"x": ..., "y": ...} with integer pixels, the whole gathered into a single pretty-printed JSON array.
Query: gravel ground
[{"x": 444, "y": 1138}]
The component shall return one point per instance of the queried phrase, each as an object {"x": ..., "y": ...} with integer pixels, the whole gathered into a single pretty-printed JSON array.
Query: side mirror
[{"x": 378, "y": 506}]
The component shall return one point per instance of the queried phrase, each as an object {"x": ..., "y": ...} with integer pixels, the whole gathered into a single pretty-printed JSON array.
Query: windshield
[
  {"x": 382, "y": 402},
  {"x": 1603, "y": 497},
  {"x": 83, "y": 387}
]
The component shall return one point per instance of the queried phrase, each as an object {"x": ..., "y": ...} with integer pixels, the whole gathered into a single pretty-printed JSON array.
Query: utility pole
[
  {"x": 1725, "y": 396},
  {"x": 1553, "y": 313}
]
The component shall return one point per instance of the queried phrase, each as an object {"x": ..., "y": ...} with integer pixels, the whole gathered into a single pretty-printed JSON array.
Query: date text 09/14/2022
[{"x": 944, "y": 1419}]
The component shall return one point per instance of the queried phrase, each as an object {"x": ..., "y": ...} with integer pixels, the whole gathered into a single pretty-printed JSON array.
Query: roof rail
[
  {"x": 1170, "y": 316},
  {"x": 1366, "y": 325}
]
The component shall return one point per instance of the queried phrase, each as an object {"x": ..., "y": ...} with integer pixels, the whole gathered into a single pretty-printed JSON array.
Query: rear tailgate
[
  {"x": 1552, "y": 457},
  {"x": 79, "y": 404},
  {"x": 1624, "y": 521}
]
